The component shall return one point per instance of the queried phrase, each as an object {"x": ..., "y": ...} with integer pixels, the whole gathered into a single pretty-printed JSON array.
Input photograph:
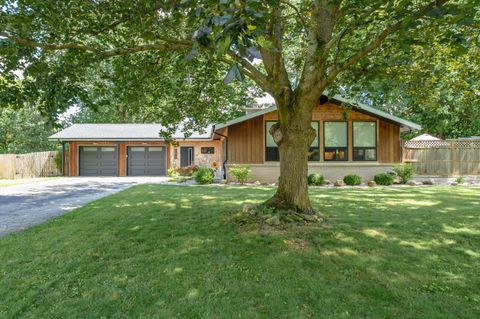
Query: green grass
[{"x": 167, "y": 251}]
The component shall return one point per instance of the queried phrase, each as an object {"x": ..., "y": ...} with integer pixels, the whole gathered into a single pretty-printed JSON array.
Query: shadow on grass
[{"x": 166, "y": 251}]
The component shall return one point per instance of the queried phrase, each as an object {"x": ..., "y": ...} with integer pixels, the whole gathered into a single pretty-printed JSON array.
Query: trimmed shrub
[
  {"x": 383, "y": 179},
  {"x": 203, "y": 175},
  {"x": 187, "y": 170},
  {"x": 460, "y": 180},
  {"x": 315, "y": 179},
  {"x": 57, "y": 159},
  {"x": 352, "y": 180},
  {"x": 240, "y": 173},
  {"x": 172, "y": 172},
  {"x": 405, "y": 172}
]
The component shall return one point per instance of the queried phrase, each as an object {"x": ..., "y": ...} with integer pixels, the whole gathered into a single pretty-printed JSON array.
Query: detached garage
[{"x": 122, "y": 149}]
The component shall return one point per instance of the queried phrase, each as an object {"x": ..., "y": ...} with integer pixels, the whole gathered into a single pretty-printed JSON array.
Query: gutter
[{"x": 226, "y": 154}]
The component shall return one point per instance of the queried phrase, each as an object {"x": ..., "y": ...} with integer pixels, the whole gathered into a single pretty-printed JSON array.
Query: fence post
[{"x": 453, "y": 158}]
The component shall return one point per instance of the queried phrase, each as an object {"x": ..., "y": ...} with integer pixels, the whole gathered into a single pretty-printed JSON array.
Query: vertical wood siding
[
  {"x": 247, "y": 139},
  {"x": 245, "y": 142}
]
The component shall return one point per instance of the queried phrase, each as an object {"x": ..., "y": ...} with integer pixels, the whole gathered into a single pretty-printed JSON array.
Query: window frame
[
  {"x": 363, "y": 147},
  {"x": 265, "y": 142},
  {"x": 276, "y": 121},
  {"x": 207, "y": 147},
  {"x": 345, "y": 148}
]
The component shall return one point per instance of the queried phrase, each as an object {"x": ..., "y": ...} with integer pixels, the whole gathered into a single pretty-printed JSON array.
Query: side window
[
  {"x": 364, "y": 141},
  {"x": 335, "y": 141}
]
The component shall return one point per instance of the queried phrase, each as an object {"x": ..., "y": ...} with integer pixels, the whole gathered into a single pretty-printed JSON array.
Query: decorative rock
[
  {"x": 264, "y": 184},
  {"x": 428, "y": 182},
  {"x": 247, "y": 208},
  {"x": 273, "y": 221},
  {"x": 454, "y": 183},
  {"x": 223, "y": 181},
  {"x": 371, "y": 184},
  {"x": 339, "y": 183},
  {"x": 257, "y": 183},
  {"x": 328, "y": 182},
  {"x": 412, "y": 183}
]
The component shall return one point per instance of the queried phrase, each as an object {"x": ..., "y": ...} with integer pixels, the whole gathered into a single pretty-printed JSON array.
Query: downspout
[
  {"x": 226, "y": 154},
  {"x": 63, "y": 158}
]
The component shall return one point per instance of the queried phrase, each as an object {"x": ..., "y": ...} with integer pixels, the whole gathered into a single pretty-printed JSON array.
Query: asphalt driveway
[{"x": 26, "y": 205}]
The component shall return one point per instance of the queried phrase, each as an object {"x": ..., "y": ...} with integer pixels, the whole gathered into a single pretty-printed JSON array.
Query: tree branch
[
  {"x": 169, "y": 45},
  {"x": 379, "y": 39},
  {"x": 252, "y": 72}
]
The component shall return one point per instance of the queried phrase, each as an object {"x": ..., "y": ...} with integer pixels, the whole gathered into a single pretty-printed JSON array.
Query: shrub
[
  {"x": 240, "y": 173},
  {"x": 172, "y": 172},
  {"x": 405, "y": 172},
  {"x": 352, "y": 180},
  {"x": 57, "y": 159},
  {"x": 383, "y": 179},
  {"x": 203, "y": 175},
  {"x": 187, "y": 170},
  {"x": 460, "y": 180},
  {"x": 315, "y": 180}
]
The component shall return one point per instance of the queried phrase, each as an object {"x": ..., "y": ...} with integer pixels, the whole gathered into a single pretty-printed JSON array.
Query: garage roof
[{"x": 123, "y": 132}]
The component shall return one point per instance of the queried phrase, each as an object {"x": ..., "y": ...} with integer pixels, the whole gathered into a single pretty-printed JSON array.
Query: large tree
[{"x": 294, "y": 50}]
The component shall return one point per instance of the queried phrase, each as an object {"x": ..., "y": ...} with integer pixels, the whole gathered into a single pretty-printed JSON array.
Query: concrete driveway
[{"x": 26, "y": 205}]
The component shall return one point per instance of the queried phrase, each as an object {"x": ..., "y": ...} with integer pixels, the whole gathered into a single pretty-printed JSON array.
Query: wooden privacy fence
[
  {"x": 443, "y": 158},
  {"x": 39, "y": 164}
]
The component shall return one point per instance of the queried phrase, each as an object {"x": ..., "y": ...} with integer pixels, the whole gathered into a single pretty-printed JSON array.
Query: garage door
[
  {"x": 147, "y": 161},
  {"x": 98, "y": 161}
]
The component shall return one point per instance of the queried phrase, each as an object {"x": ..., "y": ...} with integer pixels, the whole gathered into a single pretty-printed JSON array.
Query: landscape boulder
[
  {"x": 339, "y": 183},
  {"x": 371, "y": 184}
]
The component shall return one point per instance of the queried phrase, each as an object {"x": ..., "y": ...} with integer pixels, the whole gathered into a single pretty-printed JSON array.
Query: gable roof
[
  {"x": 405, "y": 125},
  {"x": 122, "y": 132}
]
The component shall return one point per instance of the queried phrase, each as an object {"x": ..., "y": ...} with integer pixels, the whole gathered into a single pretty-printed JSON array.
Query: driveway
[{"x": 26, "y": 205}]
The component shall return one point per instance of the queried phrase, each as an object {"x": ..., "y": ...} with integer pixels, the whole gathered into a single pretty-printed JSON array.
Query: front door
[{"x": 186, "y": 156}]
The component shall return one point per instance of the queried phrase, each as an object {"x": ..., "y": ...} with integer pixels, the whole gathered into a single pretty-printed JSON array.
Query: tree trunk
[{"x": 293, "y": 135}]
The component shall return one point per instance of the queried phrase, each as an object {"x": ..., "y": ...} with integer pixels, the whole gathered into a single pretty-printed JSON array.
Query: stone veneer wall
[
  {"x": 200, "y": 159},
  {"x": 270, "y": 172}
]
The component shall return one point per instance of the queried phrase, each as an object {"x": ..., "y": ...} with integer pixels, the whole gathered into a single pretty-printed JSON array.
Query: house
[{"x": 353, "y": 139}]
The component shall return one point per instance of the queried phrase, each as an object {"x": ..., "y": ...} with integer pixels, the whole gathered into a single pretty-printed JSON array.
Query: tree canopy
[{"x": 294, "y": 50}]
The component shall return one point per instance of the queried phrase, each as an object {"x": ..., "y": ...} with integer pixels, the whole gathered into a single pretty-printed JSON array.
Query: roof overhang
[{"x": 405, "y": 125}]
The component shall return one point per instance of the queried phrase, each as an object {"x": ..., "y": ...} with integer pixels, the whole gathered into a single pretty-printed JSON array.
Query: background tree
[{"x": 302, "y": 45}]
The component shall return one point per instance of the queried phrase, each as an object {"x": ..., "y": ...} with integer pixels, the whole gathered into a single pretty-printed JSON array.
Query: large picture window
[
  {"x": 364, "y": 141},
  {"x": 335, "y": 141},
  {"x": 271, "y": 148}
]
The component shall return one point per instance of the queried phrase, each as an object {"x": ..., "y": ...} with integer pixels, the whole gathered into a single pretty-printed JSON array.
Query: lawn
[{"x": 158, "y": 251}]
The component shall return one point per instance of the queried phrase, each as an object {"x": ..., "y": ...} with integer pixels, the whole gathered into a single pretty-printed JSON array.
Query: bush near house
[
  {"x": 172, "y": 172},
  {"x": 240, "y": 173},
  {"x": 385, "y": 179},
  {"x": 352, "y": 180},
  {"x": 203, "y": 175},
  {"x": 187, "y": 170},
  {"x": 405, "y": 172},
  {"x": 315, "y": 179}
]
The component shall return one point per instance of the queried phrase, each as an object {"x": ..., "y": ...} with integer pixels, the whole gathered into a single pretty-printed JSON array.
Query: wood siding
[
  {"x": 389, "y": 148},
  {"x": 246, "y": 140}
]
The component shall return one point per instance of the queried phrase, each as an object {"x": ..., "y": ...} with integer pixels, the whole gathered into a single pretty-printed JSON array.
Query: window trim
[
  {"x": 338, "y": 147},
  {"x": 207, "y": 153},
  {"x": 318, "y": 138},
  {"x": 363, "y": 147}
]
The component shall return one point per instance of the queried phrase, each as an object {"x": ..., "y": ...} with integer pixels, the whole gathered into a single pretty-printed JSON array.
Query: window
[
  {"x": 207, "y": 150},
  {"x": 271, "y": 148},
  {"x": 364, "y": 141},
  {"x": 314, "y": 152},
  {"x": 335, "y": 139}
]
